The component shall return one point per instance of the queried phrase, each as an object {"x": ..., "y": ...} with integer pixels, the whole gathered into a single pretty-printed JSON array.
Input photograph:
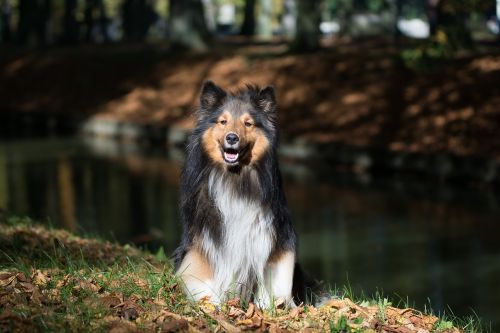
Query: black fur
[{"x": 198, "y": 211}]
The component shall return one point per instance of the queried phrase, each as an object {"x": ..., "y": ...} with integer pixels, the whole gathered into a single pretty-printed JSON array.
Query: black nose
[{"x": 232, "y": 138}]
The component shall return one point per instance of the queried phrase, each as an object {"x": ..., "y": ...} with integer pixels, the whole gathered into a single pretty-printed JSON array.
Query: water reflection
[{"x": 405, "y": 237}]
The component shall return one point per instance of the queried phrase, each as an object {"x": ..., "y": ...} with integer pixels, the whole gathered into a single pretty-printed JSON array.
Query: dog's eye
[
  {"x": 223, "y": 122},
  {"x": 248, "y": 124}
]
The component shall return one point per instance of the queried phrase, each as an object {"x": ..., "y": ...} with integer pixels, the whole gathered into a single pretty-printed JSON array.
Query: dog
[{"x": 238, "y": 239}]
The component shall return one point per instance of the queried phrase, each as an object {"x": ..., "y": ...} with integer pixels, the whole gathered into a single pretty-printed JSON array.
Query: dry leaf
[
  {"x": 226, "y": 326},
  {"x": 130, "y": 314},
  {"x": 235, "y": 312},
  {"x": 334, "y": 303},
  {"x": 39, "y": 278},
  {"x": 295, "y": 312},
  {"x": 6, "y": 279},
  {"x": 171, "y": 314},
  {"x": 64, "y": 281},
  {"x": 121, "y": 327},
  {"x": 141, "y": 283},
  {"x": 397, "y": 329},
  {"x": 175, "y": 325},
  {"x": 244, "y": 322},
  {"x": 110, "y": 301},
  {"x": 234, "y": 302},
  {"x": 21, "y": 277},
  {"x": 280, "y": 303},
  {"x": 250, "y": 311}
]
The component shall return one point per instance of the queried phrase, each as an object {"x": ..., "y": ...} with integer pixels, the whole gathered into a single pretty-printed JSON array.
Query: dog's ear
[
  {"x": 266, "y": 100},
  {"x": 211, "y": 96}
]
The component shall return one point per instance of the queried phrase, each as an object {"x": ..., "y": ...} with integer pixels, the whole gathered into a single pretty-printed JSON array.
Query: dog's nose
[{"x": 232, "y": 138}]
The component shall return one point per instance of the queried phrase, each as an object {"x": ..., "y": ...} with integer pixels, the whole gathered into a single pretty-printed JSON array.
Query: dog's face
[{"x": 238, "y": 128}]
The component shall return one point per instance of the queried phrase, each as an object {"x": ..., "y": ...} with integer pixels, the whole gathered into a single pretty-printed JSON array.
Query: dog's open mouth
[{"x": 231, "y": 156}]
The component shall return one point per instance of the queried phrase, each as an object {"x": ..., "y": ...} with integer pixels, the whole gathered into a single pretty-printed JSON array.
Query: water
[{"x": 406, "y": 238}]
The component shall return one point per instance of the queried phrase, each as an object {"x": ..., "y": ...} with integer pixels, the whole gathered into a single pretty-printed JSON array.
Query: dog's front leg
[
  {"x": 197, "y": 275},
  {"x": 278, "y": 280}
]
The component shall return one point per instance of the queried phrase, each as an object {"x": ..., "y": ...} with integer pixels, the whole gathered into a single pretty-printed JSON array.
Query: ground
[
  {"x": 363, "y": 93},
  {"x": 51, "y": 280}
]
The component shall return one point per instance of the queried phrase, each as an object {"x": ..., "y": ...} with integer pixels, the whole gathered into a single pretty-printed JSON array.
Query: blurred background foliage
[{"x": 192, "y": 24}]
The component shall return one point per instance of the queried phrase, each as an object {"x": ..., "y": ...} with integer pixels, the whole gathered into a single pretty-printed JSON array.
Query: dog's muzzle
[{"x": 231, "y": 148}]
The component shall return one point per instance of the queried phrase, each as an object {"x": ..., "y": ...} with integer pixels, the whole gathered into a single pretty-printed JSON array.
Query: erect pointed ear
[
  {"x": 211, "y": 95},
  {"x": 267, "y": 100}
]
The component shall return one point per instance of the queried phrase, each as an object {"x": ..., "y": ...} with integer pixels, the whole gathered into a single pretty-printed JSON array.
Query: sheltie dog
[{"x": 238, "y": 239}]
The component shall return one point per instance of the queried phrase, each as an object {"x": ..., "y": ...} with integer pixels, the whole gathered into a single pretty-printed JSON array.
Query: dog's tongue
[{"x": 230, "y": 156}]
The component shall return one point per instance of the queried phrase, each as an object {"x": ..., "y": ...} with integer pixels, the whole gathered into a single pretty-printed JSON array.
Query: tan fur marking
[
  {"x": 276, "y": 256},
  {"x": 195, "y": 266},
  {"x": 211, "y": 145},
  {"x": 255, "y": 137},
  {"x": 260, "y": 147}
]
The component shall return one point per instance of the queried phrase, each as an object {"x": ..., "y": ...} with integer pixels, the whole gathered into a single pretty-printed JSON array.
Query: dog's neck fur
[{"x": 247, "y": 231}]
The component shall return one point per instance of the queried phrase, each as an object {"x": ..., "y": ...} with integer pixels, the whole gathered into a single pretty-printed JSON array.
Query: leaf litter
[{"x": 51, "y": 280}]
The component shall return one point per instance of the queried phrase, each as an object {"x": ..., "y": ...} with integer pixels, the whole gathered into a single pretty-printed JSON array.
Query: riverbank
[
  {"x": 52, "y": 280},
  {"x": 355, "y": 104}
]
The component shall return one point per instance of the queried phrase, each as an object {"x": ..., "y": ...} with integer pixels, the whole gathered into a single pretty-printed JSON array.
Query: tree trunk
[
  {"x": 398, "y": 10},
  {"x": 43, "y": 15},
  {"x": 248, "y": 26},
  {"x": 289, "y": 22},
  {"x": 70, "y": 25},
  {"x": 432, "y": 15},
  {"x": 27, "y": 18},
  {"x": 187, "y": 26},
  {"x": 137, "y": 17},
  {"x": 346, "y": 10},
  {"x": 308, "y": 20},
  {"x": 497, "y": 11},
  {"x": 34, "y": 17},
  {"x": 89, "y": 19},
  {"x": 450, "y": 19},
  {"x": 103, "y": 21},
  {"x": 6, "y": 15},
  {"x": 265, "y": 19}
]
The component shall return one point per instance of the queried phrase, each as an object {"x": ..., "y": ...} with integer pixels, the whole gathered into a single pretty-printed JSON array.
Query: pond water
[{"x": 427, "y": 241}]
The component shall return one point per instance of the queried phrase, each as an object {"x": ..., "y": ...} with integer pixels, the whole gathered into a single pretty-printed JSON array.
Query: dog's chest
[{"x": 247, "y": 232}]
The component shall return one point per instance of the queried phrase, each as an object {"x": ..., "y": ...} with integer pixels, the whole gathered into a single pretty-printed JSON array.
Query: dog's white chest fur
[{"x": 247, "y": 239}]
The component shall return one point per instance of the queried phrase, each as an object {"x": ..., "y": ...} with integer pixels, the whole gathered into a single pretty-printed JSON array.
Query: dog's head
[{"x": 239, "y": 128}]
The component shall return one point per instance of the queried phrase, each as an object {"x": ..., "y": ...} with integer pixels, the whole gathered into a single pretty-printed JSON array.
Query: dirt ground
[{"x": 360, "y": 94}]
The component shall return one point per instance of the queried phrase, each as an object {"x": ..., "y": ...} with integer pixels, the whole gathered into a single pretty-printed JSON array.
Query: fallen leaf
[
  {"x": 234, "y": 302},
  {"x": 426, "y": 322},
  {"x": 39, "y": 278},
  {"x": 235, "y": 312},
  {"x": 274, "y": 328},
  {"x": 396, "y": 329},
  {"x": 226, "y": 326},
  {"x": 37, "y": 297},
  {"x": 250, "y": 311},
  {"x": 21, "y": 277},
  {"x": 279, "y": 303},
  {"x": 175, "y": 325},
  {"x": 110, "y": 301},
  {"x": 334, "y": 303},
  {"x": 141, "y": 283},
  {"x": 6, "y": 279},
  {"x": 121, "y": 327},
  {"x": 64, "y": 281},
  {"x": 26, "y": 286},
  {"x": 244, "y": 322},
  {"x": 171, "y": 314},
  {"x": 295, "y": 312},
  {"x": 257, "y": 322}
]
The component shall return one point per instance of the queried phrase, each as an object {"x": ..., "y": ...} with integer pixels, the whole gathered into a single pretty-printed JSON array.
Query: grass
[{"x": 54, "y": 281}]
